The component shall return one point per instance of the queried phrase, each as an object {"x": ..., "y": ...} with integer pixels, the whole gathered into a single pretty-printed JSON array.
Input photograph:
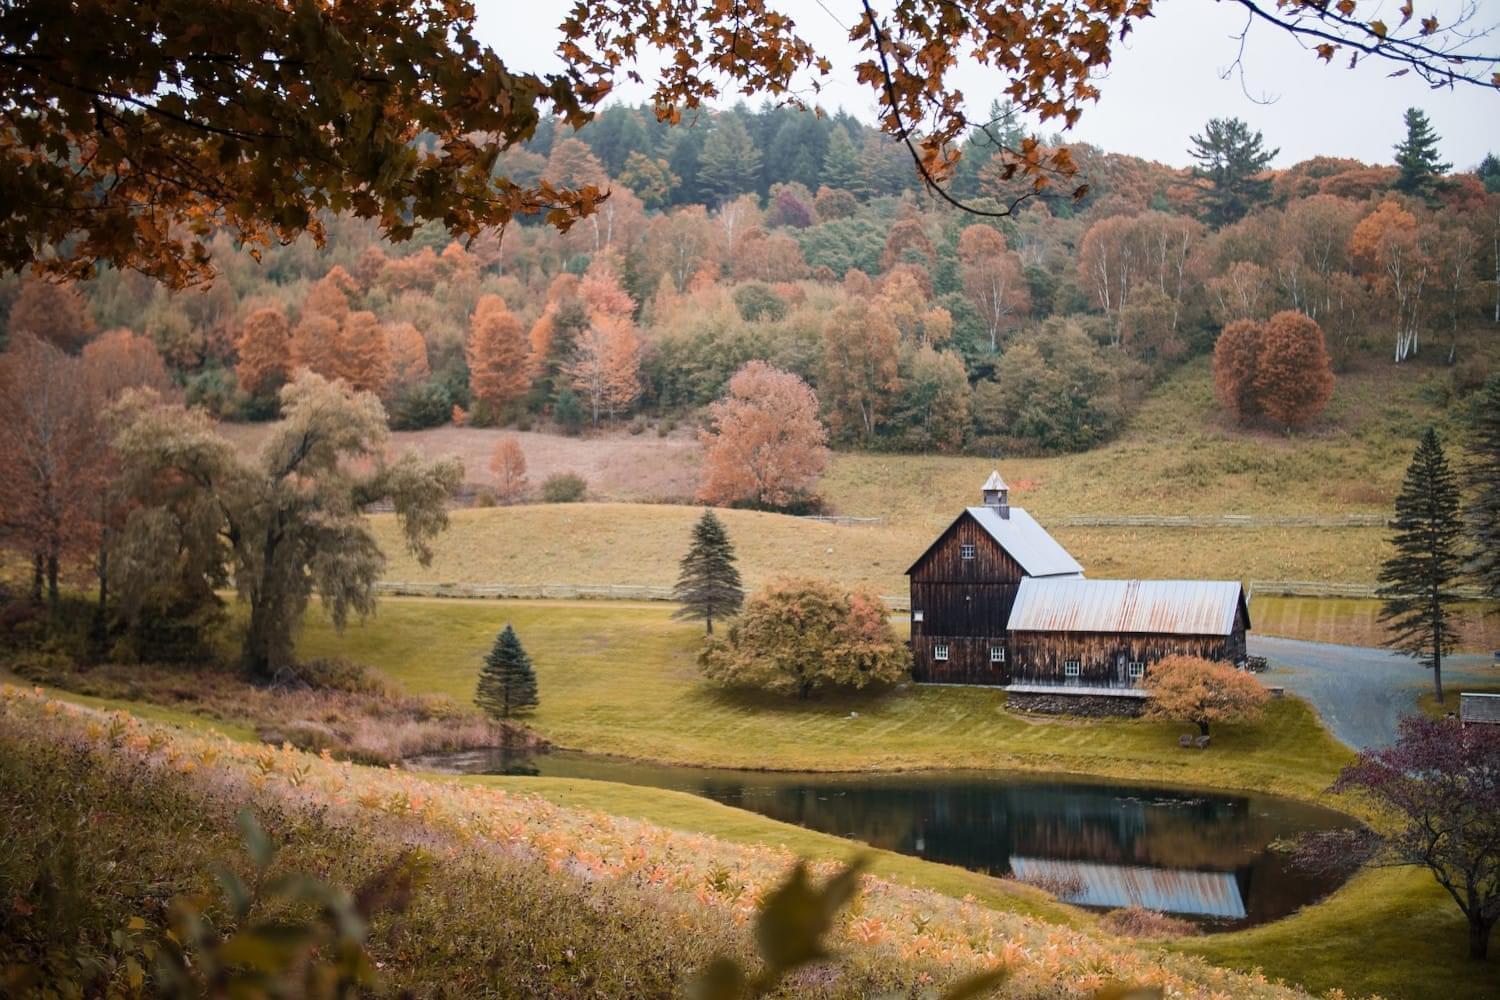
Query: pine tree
[
  {"x": 507, "y": 684},
  {"x": 1417, "y": 156},
  {"x": 840, "y": 161},
  {"x": 709, "y": 584},
  {"x": 1416, "y": 583},
  {"x": 730, "y": 164},
  {"x": 1483, "y": 514},
  {"x": 1230, "y": 157}
]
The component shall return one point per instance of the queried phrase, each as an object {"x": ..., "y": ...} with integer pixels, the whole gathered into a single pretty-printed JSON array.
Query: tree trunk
[
  {"x": 38, "y": 577},
  {"x": 256, "y": 658},
  {"x": 53, "y": 597},
  {"x": 1437, "y": 649},
  {"x": 1202, "y": 727},
  {"x": 100, "y": 632},
  {"x": 708, "y": 620},
  {"x": 1479, "y": 936}
]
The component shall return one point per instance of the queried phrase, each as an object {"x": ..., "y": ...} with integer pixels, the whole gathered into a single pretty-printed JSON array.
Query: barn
[{"x": 997, "y": 600}]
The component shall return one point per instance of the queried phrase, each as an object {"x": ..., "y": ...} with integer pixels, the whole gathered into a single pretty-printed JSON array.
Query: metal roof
[
  {"x": 1210, "y": 894},
  {"x": 1476, "y": 707},
  {"x": 1026, "y": 542},
  {"x": 1175, "y": 607},
  {"x": 994, "y": 482}
]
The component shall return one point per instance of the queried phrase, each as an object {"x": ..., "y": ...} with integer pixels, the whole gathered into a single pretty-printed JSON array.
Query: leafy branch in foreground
[{"x": 789, "y": 932}]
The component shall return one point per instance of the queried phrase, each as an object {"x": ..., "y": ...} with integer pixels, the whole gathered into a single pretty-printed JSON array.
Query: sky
[{"x": 1164, "y": 83}]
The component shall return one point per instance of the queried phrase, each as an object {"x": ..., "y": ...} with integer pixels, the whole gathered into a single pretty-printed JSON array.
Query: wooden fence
[
  {"x": 896, "y": 602},
  {"x": 1220, "y": 521}
]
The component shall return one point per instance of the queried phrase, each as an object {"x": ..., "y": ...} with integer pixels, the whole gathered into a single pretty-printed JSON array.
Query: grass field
[
  {"x": 621, "y": 679},
  {"x": 1355, "y": 622}
]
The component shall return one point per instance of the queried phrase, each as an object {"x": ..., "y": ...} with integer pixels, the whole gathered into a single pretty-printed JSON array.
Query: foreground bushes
[{"x": 109, "y": 819}]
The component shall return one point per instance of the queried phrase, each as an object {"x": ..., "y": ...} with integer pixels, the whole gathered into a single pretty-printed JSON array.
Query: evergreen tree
[
  {"x": 1483, "y": 514},
  {"x": 1416, "y": 583},
  {"x": 1489, "y": 172},
  {"x": 730, "y": 164},
  {"x": 1230, "y": 157},
  {"x": 840, "y": 161},
  {"x": 507, "y": 684},
  {"x": 708, "y": 584},
  {"x": 1417, "y": 156}
]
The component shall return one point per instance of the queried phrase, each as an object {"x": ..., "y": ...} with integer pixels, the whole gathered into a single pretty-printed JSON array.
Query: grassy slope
[{"x": 621, "y": 679}]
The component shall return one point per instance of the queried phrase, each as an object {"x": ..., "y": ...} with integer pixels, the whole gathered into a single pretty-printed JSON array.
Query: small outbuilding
[
  {"x": 1476, "y": 709},
  {"x": 997, "y": 600}
]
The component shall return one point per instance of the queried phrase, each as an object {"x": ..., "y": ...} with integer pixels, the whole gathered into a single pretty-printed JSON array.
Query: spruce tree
[
  {"x": 730, "y": 164},
  {"x": 507, "y": 684},
  {"x": 1230, "y": 157},
  {"x": 1483, "y": 515},
  {"x": 1416, "y": 583},
  {"x": 1417, "y": 156},
  {"x": 708, "y": 584}
]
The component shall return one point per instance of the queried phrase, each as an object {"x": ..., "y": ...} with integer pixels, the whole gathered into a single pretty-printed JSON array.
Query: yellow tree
[
  {"x": 1190, "y": 689},
  {"x": 1394, "y": 252},
  {"x": 606, "y": 365},
  {"x": 861, "y": 367},
  {"x": 408, "y": 352},
  {"x": 508, "y": 466},
  {"x": 264, "y": 345},
  {"x": 765, "y": 443}
]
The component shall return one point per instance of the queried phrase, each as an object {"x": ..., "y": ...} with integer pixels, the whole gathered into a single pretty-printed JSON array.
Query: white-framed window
[
  {"x": 940, "y": 651},
  {"x": 916, "y": 616},
  {"x": 997, "y": 654},
  {"x": 966, "y": 550},
  {"x": 1072, "y": 668},
  {"x": 1137, "y": 670}
]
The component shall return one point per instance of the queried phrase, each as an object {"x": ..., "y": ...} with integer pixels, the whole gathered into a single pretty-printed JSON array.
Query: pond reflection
[{"x": 1202, "y": 855}]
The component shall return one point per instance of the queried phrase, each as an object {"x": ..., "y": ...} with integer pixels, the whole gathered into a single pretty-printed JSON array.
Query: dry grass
[
  {"x": 616, "y": 464},
  {"x": 642, "y": 543},
  {"x": 373, "y": 723},
  {"x": 1138, "y": 922},
  {"x": 1355, "y": 622}
]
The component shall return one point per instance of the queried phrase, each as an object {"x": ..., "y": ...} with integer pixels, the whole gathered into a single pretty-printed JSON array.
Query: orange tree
[
  {"x": 137, "y": 128},
  {"x": 1191, "y": 689}
]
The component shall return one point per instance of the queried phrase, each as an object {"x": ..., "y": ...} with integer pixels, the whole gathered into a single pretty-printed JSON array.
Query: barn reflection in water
[{"x": 1204, "y": 855}]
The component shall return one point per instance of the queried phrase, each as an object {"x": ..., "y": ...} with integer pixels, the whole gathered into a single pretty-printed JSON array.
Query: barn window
[
  {"x": 940, "y": 651},
  {"x": 966, "y": 550},
  {"x": 997, "y": 654},
  {"x": 916, "y": 616},
  {"x": 1137, "y": 670},
  {"x": 1072, "y": 668}
]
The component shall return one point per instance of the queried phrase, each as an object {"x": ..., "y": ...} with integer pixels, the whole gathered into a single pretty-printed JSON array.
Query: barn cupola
[{"x": 997, "y": 494}]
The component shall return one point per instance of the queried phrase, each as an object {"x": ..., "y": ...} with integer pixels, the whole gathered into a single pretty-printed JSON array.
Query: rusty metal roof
[
  {"x": 1170, "y": 890},
  {"x": 1172, "y": 607},
  {"x": 1476, "y": 707}
]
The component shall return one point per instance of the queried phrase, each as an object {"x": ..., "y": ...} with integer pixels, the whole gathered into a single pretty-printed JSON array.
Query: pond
[{"x": 1205, "y": 856}]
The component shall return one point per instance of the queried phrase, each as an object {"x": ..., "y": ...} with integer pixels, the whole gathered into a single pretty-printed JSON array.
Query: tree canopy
[{"x": 139, "y": 129}]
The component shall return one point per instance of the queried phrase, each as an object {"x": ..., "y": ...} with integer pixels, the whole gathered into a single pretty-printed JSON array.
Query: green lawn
[{"x": 621, "y": 679}]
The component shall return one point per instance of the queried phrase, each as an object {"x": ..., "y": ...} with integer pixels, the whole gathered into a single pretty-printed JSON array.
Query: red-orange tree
[
  {"x": 765, "y": 444},
  {"x": 1293, "y": 376},
  {"x": 508, "y": 466},
  {"x": 499, "y": 356},
  {"x": 53, "y": 312},
  {"x": 1236, "y": 355},
  {"x": 265, "y": 351},
  {"x": 1191, "y": 689}
]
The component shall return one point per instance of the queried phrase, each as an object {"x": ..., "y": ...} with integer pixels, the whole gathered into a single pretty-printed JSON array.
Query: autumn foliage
[
  {"x": 1278, "y": 369},
  {"x": 766, "y": 445},
  {"x": 800, "y": 636},
  {"x": 499, "y": 356},
  {"x": 1190, "y": 689},
  {"x": 265, "y": 349},
  {"x": 508, "y": 466}
]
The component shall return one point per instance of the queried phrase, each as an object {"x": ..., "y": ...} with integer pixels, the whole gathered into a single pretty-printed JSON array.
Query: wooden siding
[
  {"x": 1040, "y": 657},
  {"x": 968, "y": 660},
  {"x": 965, "y": 603}
]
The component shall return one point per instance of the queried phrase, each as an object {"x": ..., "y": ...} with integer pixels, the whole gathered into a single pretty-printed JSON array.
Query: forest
[{"x": 804, "y": 240}]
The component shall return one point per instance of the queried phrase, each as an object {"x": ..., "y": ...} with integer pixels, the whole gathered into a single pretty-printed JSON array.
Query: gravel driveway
[{"x": 1362, "y": 693}]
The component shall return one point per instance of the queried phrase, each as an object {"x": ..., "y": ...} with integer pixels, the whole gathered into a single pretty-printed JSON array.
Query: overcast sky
[{"x": 1165, "y": 82}]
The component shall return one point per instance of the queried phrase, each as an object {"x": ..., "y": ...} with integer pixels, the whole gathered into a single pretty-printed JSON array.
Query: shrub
[
  {"x": 484, "y": 498},
  {"x": 1190, "y": 689},
  {"x": 1139, "y": 922},
  {"x": 426, "y": 404},
  {"x": 336, "y": 673},
  {"x": 564, "y": 487},
  {"x": 799, "y": 636}
]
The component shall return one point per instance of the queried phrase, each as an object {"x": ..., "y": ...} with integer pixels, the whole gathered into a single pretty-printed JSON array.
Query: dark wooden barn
[
  {"x": 996, "y": 600},
  {"x": 963, "y": 586}
]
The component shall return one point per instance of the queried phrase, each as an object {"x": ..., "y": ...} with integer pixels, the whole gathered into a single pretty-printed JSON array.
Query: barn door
[{"x": 1122, "y": 669}]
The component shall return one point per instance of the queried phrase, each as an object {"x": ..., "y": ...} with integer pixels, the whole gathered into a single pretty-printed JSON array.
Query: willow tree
[{"x": 281, "y": 526}]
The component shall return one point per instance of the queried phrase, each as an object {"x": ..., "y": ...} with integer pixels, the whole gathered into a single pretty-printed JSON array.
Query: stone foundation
[{"x": 1093, "y": 706}]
